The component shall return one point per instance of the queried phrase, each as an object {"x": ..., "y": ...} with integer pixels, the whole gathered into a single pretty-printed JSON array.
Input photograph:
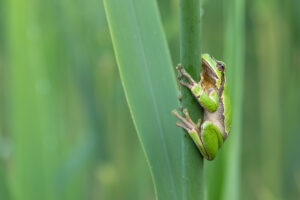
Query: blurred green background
[{"x": 65, "y": 128}]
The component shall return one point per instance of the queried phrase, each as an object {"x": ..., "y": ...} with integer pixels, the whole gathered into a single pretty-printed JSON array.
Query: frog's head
[{"x": 213, "y": 70}]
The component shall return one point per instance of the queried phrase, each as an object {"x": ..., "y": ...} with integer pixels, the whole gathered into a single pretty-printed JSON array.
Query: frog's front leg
[
  {"x": 208, "y": 139},
  {"x": 208, "y": 99}
]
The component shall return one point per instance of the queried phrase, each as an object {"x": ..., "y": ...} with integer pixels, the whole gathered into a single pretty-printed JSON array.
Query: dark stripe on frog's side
[
  {"x": 221, "y": 102},
  {"x": 223, "y": 108}
]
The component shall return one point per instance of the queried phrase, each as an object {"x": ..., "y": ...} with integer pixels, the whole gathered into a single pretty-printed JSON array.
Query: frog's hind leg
[
  {"x": 211, "y": 138},
  {"x": 192, "y": 128},
  {"x": 187, "y": 122}
]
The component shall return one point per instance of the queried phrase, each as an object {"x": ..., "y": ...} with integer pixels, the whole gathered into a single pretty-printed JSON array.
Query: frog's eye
[{"x": 221, "y": 66}]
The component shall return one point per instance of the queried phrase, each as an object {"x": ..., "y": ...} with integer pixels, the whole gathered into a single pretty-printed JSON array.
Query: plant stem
[{"x": 190, "y": 57}]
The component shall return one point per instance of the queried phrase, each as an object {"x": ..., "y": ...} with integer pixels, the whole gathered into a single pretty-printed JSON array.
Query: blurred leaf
[
  {"x": 223, "y": 175},
  {"x": 38, "y": 103},
  {"x": 149, "y": 83}
]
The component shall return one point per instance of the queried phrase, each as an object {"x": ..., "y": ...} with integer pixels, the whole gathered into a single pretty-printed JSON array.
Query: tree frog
[{"x": 212, "y": 94}]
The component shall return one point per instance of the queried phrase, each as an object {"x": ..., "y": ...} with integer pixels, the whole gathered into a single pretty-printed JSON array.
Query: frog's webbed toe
[
  {"x": 186, "y": 122},
  {"x": 181, "y": 73}
]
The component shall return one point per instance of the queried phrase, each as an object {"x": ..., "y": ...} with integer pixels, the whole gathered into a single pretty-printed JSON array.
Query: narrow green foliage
[
  {"x": 150, "y": 87},
  {"x": 32, "y": 96},
  {"x": 270, "y": 57},
  {"x": 39, "y": 98}
]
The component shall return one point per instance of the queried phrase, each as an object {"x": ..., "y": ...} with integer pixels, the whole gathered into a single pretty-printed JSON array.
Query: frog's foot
[
  {"x": 193, "y": 130},
  {"x": 187, "y": 122},
  {"x": 182, "y": 72}
]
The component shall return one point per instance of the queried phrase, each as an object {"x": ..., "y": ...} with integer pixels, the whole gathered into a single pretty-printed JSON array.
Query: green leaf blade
[{"x": 149, "y": 83}]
